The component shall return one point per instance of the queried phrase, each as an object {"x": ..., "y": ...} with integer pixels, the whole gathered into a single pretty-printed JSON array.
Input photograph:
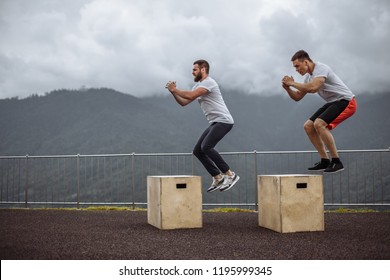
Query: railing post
[
  {"x": 255, "y": 173},
  {"x": 192, "y": 164},
  {"x": 78, "y": 181},
  {"x": 133, "y": 179},
  {"x": 26, "y": 185}
]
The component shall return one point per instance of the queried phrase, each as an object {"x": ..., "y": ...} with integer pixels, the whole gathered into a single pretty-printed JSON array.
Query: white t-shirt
[
  {"x": 334, "y": 88},
  {"x": 212, "y": 103}
]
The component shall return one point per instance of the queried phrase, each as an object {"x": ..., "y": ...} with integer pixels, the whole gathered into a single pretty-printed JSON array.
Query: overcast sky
[{"x": 137, "y": 46}]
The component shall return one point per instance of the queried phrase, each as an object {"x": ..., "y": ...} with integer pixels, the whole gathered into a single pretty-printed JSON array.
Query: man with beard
[{"x": 207, "y": 91}]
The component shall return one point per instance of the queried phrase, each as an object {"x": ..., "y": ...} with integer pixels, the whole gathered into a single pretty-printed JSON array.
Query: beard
[{"x": 198, "y": 77}]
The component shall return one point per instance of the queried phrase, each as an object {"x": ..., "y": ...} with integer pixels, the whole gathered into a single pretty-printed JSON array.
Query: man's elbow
[
  {"x": 185, "y": 102},
  {"x": 297, "y": 98}
]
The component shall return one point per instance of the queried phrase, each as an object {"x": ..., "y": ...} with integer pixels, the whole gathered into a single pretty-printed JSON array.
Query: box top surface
[
  {"x": 291, "y": 175},
  {"x": 173, "y": 176}
]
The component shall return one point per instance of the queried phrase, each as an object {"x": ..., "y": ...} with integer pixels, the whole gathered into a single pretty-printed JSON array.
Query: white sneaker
[
  {"x": 217, "y": 183},
  {"x": 229, "y": 182}
]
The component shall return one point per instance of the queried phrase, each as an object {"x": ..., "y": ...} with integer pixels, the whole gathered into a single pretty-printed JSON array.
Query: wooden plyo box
[
  {"x": 291, "y": 203},
  {"x": 174, "y": 202}
]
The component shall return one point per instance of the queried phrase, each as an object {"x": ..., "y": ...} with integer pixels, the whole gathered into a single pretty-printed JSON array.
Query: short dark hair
[
  {"x": 301, "y": 55},
  {"x": 203, "y": 64}
]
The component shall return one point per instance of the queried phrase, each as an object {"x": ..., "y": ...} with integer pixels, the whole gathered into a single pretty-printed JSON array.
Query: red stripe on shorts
[{"x": 349, "y": 111}]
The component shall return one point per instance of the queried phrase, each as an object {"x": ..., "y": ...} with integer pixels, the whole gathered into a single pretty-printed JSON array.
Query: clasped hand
[
  {"x": 287, "y": 80},
  {"x": 171, "y": 85}
]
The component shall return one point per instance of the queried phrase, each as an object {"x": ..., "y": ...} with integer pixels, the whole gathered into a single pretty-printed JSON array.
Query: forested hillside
[{"x": 98, "y": 121}]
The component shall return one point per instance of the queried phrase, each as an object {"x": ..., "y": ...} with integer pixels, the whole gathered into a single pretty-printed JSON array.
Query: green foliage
[
  {"x": 355, "y": 210},
  {"x": 113, "y": 208},
  {"x": 227, "y": 210}
]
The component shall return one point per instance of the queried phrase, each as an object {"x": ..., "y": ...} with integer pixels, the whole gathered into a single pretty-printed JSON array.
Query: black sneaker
[
  {"x": 334, "y": 167},
  {"x": 320, "y": 166}
]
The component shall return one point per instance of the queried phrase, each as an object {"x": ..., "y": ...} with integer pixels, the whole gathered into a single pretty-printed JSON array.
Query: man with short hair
[
  {"x": 341, "y": 104},
  {"x": 207, "y": 91}
]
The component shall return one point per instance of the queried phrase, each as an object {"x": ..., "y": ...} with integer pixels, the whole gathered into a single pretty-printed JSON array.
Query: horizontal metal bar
[
  {"x": 188, "y": 154},
  {"x": 204, "y": 204},
  {"x": 356, "y": 204}
]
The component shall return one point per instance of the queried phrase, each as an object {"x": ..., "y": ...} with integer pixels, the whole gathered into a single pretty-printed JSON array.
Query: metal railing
[{"x": 120, "y": 179}]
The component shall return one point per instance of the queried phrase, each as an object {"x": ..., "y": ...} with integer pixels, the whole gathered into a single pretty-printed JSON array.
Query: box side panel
[
  {"x": 302, "y": 203},
  {"x": 154, "y": 201},
  {"x": 269, "y": 202},
  {"x": 181, "y": 202}
]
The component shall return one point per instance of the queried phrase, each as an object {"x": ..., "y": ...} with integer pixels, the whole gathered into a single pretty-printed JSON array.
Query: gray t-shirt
[
  {"x": 334, "y": 88},
  {"x": 212, "y": 103}
]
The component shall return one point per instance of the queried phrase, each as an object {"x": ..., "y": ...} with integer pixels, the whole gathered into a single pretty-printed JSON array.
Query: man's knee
[
  {"x": 197, "y": 151},
  {"x": 309, "y": 126},
  {"x": 202, "y": 150},
  {"x": 319, "y": 124},
  {"x": 205, "y": 149}
]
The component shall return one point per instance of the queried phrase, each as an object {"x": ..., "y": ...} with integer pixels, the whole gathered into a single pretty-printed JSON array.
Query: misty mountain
[{"x": 97, "y": 121}]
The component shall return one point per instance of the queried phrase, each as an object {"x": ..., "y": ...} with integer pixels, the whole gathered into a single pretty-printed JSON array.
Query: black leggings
[{"x": 205, "y": 152}]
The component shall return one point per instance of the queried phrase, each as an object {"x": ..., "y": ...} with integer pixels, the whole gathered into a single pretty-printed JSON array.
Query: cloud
[{"x": 136, "y": 46}]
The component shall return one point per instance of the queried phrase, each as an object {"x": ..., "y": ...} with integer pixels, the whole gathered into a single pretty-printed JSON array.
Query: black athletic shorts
[{"x": 333, "y": 113}]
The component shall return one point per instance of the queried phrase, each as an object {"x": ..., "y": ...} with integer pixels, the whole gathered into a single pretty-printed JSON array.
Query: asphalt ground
[{"x": 126, "y": 235}]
